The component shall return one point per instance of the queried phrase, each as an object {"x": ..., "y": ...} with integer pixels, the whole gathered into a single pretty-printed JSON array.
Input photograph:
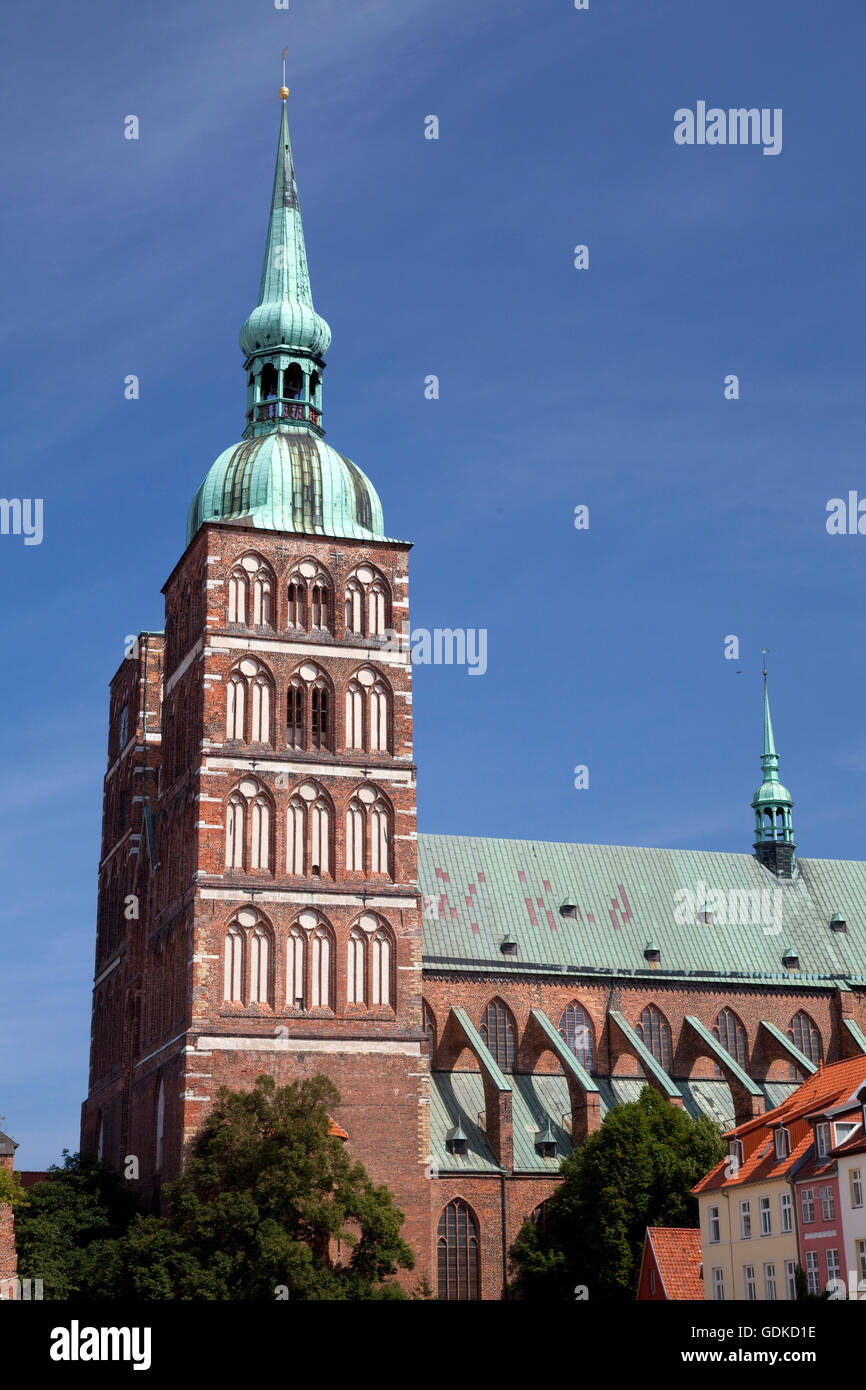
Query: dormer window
[
  {"x": 783, "y": 1142},
  {"x": 844, "y": 1131},
  {"x": 568, "y": 908},
  {"x": 456, "y": 1141},
  {"x": 545, "y": 1141},
  {"x": 735, "y": 1151},
  {"x": 822, "y": 1139}
]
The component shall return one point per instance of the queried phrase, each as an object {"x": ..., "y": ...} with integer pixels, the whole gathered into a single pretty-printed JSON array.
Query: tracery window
[
  {"x": 575, "y": 1026},
  {"x": 654, "y": 1032},
  {"x": 367, "y": 608},
  {"x": 499, "y": 1034},
  {"x": 248, "y": 828},
  {"x": 250, "y": 592},
  {"x": 247, "y": 960},
  {"x": 729, "y": 1030},
  {"x": 457, "y": 1250}
]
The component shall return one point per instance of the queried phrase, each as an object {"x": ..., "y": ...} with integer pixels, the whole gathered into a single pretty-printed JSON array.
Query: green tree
[
  {"x": 269, "y": 1205},
  {"x": 68, "y": 1222},
  {"x": 636, "y": 1171}
]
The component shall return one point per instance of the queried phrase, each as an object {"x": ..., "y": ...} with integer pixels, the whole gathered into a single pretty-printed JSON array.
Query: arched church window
[
  {"x": 575, "y": 1026},
  {"x": 499, "y": 1034},
  {"x": 458, "y": 1264},
  {"x": 654, "y": 1032}
]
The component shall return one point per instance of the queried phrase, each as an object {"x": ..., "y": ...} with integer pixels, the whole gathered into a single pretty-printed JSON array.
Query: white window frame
[
  {"x": 856, "y": 1185},
  {"x": 714, "y": 1224},
  {"x": 770, "y": 1290},
  {"x": 822, "y": 1139},
  {"x": 782, "y": 1140},
  {"x": 813, "y": 1273},
  {"x": 719, "y": 1284},
  {"x": 765, "y": 1216},
  {"x": 786, "y": 1212},
  {"x": 807, "y": 1201},
  {"x": 791, "y": 1280},
  {"x": 745, "y": 1220},
  {"x": 828, "y": 1203},
  {"x": 750, "y": 1284}
]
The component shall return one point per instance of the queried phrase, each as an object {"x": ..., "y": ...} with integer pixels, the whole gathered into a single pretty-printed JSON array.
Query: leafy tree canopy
[{"x": 636, "y": 1171}]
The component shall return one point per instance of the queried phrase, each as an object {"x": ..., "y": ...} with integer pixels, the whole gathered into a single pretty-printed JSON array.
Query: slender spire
[
  {"x": 284, "y": 340},
  {"x": 769, "y": 759},
  {"x": 772, "y": 803}
]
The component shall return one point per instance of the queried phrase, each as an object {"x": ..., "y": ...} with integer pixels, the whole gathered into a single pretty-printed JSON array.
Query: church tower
[
  {"x": 258, "y": 896},
  {"x": 772, "y": 803}
]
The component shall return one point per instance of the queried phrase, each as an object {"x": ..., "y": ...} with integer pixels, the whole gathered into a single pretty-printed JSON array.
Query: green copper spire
[
  {"x": 772, "y": 803},
  {"x": 282, "y": 476},
  {"x": 284, "y": 316}
]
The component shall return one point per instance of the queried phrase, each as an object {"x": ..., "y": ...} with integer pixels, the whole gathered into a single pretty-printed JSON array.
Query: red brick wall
[{"x": 8, "y": 1257}]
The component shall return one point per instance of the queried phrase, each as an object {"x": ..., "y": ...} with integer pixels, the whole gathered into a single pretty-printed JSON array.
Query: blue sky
[{"x": 558, "y": 387}]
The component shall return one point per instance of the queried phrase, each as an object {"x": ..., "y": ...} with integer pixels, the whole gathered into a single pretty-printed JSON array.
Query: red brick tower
[{"x": 258, "y": 900}]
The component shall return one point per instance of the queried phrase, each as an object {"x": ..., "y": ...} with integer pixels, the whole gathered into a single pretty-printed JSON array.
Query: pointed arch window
[
  {"x": 248, "y": 828},
  {"x": 320, "y": 990},
  {"x": 310, "y": 597},
  {"x": 356, "y": 991},
  {"x": 248, "y": 703},
  {"x": 320, "y": 716},
  {"x": 260, "y": 988},
  {"x": 260, "y": 710},
  {"x": 235, "y": 817},
  {"x": 499, "y": 1034},
  {"x": 458, "y": 1263},
  {"x": 728, "y": 1029},
  {"x": 382, "y": 993},
  {"x": 354, "y": 607},
  {"x": 354, "y": 715},
  {"x": 309, "y": 711},
  {"x": 295, "y": 714},
  {"x": 234, "y": 966},
  {"x": 295, "y": 836},
  {"x": 296, "y": 594},
  {"x": 320, "y": 838},
  {"x": 250, "y": 592},
  {"x": 367, "y": 596},
  {"x": 295, "y": 962},
  {"x": 235, "y": 706},
  {"x": 654, "y": 1032},
  {"x": 803, "y": 1032},
  {"x": 379, "y": 720},
  {"x": 237, "y": 597},
  {"x": 355, "y": 837},
  {"x": 378, "y": 609},
  {"x": 380, "y": 838},
  {"x": 575, "y": 1026},
  {"x": 260, "y": 847},
  {"x": 368, "y": 711}
]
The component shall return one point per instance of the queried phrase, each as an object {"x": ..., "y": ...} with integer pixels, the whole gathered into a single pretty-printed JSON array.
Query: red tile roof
[
  {"x": 828, "y": 1086},
  {"x": 677, "y": 1253}
]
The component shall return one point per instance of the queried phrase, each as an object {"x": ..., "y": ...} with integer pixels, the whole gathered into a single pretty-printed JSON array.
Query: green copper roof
[
  {"x": 285, "y": 313},
  {"x": 474, "y": 890},
  {"x": 289, "y": 480}
]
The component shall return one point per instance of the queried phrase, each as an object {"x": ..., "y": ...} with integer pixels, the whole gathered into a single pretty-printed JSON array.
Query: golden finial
[{"x": 284, "y": 91}]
